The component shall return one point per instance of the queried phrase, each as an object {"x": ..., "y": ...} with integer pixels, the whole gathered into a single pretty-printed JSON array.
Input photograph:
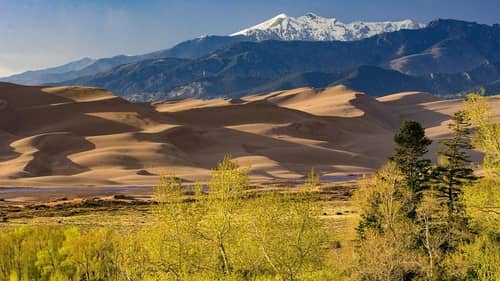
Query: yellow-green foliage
[
  {"x": 432, "y": 245},
  {"x": 43, "y": 253},
  {"x": 487, "y": 135},
  {"x": 225, "y": 231},
  {"x": 287, "y": 233},
  {"x": 217, "y": 232},
  {"x": 480, "y": 259},
  {"x": 483, "y": 199},
  {"x": 384, "y": 251}
]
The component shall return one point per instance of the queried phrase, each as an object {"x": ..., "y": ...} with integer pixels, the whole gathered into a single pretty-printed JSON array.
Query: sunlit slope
[{"x": 77, "y": 136}]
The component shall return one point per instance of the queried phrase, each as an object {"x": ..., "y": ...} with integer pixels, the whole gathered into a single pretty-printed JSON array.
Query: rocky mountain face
[{"x": 446, "y": 57}]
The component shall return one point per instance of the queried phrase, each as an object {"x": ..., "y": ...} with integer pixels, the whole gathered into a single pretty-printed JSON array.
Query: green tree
[
  {"x": 50, "y": 260},
  {"x": 287, "y": 230},
  {"x": 483, "y": 199},
  {"x": 382, "y": 200},
  {"x": 411, "y": 146},
  {"x": 386, "y": 234},
  {"x": 479, "y": 259},
  {"x": 454, "y": 170},
  {"x": 224, "y": 232},
  {"x": 134, "y": 259},
  {"x": 18, "y": 254},
  {"x": 486, "y": 132},
  {"x": 90, "y": 254},
  {"x": 221, "y": 225},
  {"x": 173, "y": 251},
  {"x": 441, "y": 216},
  {"x": 433, "y": 234}
]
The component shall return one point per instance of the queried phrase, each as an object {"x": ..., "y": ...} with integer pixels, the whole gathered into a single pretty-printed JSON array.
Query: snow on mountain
[{"x": 311, "y": 27}]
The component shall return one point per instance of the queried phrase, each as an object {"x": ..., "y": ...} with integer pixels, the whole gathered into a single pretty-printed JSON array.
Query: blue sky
[{"x": 40, "y": 33}]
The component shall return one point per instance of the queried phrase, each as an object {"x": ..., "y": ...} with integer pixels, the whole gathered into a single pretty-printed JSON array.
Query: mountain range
[
  {"x": 444, "y": 57},
  {"x": 85, "y": 67},
  {"x": 281, "y": 27},
  {"x": 312, "y": 27}
]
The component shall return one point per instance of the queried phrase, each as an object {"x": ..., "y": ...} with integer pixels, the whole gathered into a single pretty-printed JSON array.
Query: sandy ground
[{"x": 86, "y": 137}]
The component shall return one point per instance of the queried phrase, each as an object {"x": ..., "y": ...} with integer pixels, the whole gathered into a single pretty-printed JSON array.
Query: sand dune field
[{"x": 75, "y": 136}]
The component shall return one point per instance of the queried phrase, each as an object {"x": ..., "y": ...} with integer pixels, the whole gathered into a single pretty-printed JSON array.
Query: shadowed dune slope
[{"x": 76, "y": 136}]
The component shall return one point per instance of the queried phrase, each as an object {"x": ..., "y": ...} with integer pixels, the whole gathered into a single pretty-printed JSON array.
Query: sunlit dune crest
[{"x": 86, "y": 136}]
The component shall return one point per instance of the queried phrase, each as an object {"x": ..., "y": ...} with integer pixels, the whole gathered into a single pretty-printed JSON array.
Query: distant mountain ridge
[
  {"x": 446, "y": 57},
  {"x": 323, "y": 29},
  {"x": 187, "y": 49},
  {"x": 379, "y": 65},
  {"x": 312, "y": 27},
  {"x": 34, "y": 77}
]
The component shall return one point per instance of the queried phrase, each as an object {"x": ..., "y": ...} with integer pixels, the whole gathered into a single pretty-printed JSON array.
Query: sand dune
[{"x": 75, "y": 136}]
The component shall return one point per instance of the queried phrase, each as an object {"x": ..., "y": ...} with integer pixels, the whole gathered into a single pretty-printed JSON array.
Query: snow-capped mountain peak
[
  {"x": 311, "y": 27},
  {"x": 268, "y": 24}
]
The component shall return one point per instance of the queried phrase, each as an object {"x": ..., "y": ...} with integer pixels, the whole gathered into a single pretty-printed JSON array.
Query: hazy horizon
[{"x": 40, "y": 34}]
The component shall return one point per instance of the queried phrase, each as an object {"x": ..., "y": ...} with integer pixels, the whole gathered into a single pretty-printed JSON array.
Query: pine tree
[
  {"x": 441, "y": 213},
  {"x": 454, "y": 169},
  {"x": 411, "y": 146}
]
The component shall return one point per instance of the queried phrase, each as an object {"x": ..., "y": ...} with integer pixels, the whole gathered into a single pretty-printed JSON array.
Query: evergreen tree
[
  {"x": 454, "y": 171},
  {"x": 411, "y": 146},
  {"x": 441, "y": 214},
  {"x": 479, "y": 259}
]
